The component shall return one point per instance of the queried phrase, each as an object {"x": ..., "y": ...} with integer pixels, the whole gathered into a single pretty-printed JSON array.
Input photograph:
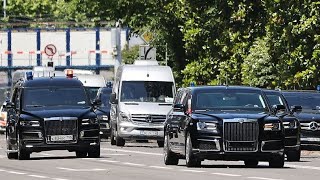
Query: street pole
[
  {"x": 4, "y": 8},
  {"x": 116, "y": 45}
]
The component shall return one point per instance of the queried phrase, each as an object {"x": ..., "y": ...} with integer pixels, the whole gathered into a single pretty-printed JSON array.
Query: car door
[
  {"x": 183, "y": 121},
  {"x": 12, "y": 118}
]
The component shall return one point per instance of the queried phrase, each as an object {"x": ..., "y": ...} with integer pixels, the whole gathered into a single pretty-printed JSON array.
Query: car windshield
[
  {"x": 92, "y": 92},
  {"x": 105, "y": 98},
  {"x": 35, "y": 98},
  {"x": 275, "y": 99},
  {"x": 147, "y": 91},
  {"x": 229, "y": 100},
  {"x": 308, "y": 101}
]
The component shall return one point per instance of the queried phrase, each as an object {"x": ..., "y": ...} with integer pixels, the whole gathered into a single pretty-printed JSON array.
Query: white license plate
[
  {"x": 310, "y": 139},
  {"x": 61, "y": 138},
  {"x": 149, "y": 133}
]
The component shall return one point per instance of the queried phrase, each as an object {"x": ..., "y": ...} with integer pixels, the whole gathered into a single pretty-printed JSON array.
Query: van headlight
[
  {"x": 29, "y": 123},
  {"x": 88, "y": 121},
  {"x": 272, "y": 126},
  {"x": 124, "y": 117},
  {"x": 207, "y": 126}
]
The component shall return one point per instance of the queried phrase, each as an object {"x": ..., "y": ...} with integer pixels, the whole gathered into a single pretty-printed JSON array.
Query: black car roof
[
  {"x": 52, "y": 81},
  {"x": 196, "y": 88},
  {"x": 300, "y": 92}
]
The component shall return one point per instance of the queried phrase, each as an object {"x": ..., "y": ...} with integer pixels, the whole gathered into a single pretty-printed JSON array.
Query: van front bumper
[{"x": 128, "y": 130}]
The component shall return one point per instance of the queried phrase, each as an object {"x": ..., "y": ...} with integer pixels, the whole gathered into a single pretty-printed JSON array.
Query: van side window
[{"x": 178, "y": 97}]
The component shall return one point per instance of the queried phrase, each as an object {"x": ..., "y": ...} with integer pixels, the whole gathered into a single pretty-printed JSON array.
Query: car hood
[
  {"x": 223, "y": 116},
  {"x": 146, "y": 108},
  {"x": 79, "y": 113},
  {"x": 308, "y": 116}
]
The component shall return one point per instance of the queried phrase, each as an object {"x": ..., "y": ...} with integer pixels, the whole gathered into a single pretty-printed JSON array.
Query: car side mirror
[
  {"x": 296, "y": 109},
  {"x": 113, "y": 98},
  {"x": 9, "y": 105},
  {"x": 179, "y": 107},
  {"x": 278, "y": 108}
]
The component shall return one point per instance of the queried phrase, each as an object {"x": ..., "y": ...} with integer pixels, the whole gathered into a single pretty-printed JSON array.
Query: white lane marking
[
  {"x": 136, "y": 152},
  {"x": 46, "y": 154},
  {"x": 15, "y": 172},
  {"x": 1, "y": 170},
  {"x": 114, "y": 154},
  {"x": 59, "y": 179},
  {"x": 133, "y": 164},
  {"x": 224, "y": 174},
  {"x": 160, "y": 167},
  {"x": 190, "y": 170},
  {"x": 1, "y": 156},
  {"x": 80, "y": 170},
  {"x": 263, "y": 178},
  {"x": 111, "y": 161},
  {"x": 37, "y": 176},
  {"x": 296, "y": 166}
]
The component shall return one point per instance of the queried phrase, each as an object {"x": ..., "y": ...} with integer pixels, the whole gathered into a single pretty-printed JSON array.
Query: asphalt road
[{"x": 144, "y": 161}]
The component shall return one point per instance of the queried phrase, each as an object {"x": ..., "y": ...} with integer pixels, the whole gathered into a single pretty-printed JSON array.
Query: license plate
[
  {"x": 310, "y": 139},
  {"x": 62, "y": 138},
  {"x": 149, "y": 133}
]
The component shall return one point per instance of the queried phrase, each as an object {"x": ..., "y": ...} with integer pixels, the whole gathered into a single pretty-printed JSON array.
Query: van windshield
[
  {"x": 92, "y": 92},
  {"x": 147, "y": 91},
  {"x": 48, "y": 97}
]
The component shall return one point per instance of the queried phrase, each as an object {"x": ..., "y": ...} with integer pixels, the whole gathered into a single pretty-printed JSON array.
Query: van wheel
[
  {"x": 81, "y": 154},
  {"x": 294, "y": 155},
  {"x": 119, "y": 140},
  {"x": 160, "y": 143},
  {"x": 169, "y": 157},
  {"x": 94, "y": 152},
  {"x": 251, "y": 163},
  {"x": 112, "y": 138},
  {"x": 276, "y": 161},
  {"x": 22, "y": 153},
  {"x": 191, "y": 160}
]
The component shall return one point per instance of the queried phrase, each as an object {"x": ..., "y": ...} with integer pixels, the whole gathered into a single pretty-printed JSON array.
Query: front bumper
[
  {"x": 214, "y": 149},
  {"x": 128, "y": 130}
]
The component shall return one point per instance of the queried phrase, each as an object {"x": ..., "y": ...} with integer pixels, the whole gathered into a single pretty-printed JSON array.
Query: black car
[
  {"x": 52, "y": 113},
  {"x": 223, "y": 123},
  {"x": 291, "y": 124},
  {"x": 103, "y": 111},
  {"x": 309, "y": 117}
]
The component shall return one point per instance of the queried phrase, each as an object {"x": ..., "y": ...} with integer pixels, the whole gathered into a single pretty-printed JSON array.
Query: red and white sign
[{"x": 50, "y": 50}]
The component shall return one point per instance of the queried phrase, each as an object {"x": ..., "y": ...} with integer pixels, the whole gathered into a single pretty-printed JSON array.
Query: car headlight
[
  {"x": 272, "y": 127},
  {"x": 124, "y": 117},
  {"x": 290, "y": 125},
  {"x": 88, "y": 121},
  {"x": 206, "y": 126},
  {"x": 30, "y": 123},
  {"x": 103, "y": 117}
]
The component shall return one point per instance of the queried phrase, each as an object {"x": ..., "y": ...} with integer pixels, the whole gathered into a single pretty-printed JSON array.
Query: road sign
[
  {"x": 147, "y": 36},
  {"x": 147, "y": 53},
  {"x": 50, "y": 50}
]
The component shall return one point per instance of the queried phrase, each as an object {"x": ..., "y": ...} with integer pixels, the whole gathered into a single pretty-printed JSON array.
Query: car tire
[
  {"x": 160, "y": 143},
  {"x": 81, "y": 154},
  {"x": 276, "y": 161},
  {"x": 112, "y": 138},
  {"x": 10, "y": 155},
  {"x": 94, "y": 152},
  {"x": 251, "y": 163},
  {"x": 22, "y": 153},
  {"x": 191, "y": 160},
  {"x": 169, "y": 157},
  {"x": 294, "y": 155},
  {"x": 119, "y": 140}
]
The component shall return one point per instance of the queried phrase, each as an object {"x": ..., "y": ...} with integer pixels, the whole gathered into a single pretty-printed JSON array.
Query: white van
[
  {"x": 141, "y": 98},
  {"x": 92, "y": 83}
]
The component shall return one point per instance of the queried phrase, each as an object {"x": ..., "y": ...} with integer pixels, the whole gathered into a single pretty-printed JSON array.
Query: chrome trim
[{"x": 214, "y": 150}]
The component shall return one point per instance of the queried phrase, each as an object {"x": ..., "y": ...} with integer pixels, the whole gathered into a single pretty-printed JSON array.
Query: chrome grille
[
  {"x": 241, "y": 136},
  {"x": 61, "y": 126},
  {"x": 148, "y": 118}
]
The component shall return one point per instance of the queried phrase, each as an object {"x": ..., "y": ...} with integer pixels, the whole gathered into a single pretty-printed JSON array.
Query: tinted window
[
  {"x": 274, "y": 99},
  {"x": 105, "y": 98},
  {"x": 229, "y": 99},
  {"x": 146, "y": 91},
  {"x": 306, "y": 100},
  {"x": 92, "y": 92},
  {"x": 54, "y": 96}
]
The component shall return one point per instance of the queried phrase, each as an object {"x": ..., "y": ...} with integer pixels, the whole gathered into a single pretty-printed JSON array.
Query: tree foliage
[{"x": 264, "y": 43}]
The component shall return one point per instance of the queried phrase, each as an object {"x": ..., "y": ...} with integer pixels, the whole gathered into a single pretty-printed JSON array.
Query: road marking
[
  {"x": 80, "y": 170},
  {"x": 160, "y": 167},
  {"x": 114, "y": 154},
  {"x": 111, "y": 161},
  {"x": 1, "y": 156},
  {"x": 1, "y": 170},
  {"x": 190, "y": 170},
  {"x": 133, "y": 164},
  {"x": 136, "y": 152},
  {"x": 46, "y": 154},
  {"x": 262, "y": 178},
  {"x": 37, "y": 176},
  {"x": 224, "y": 174},
  {"x": 15, "y": 172},
  {"x": 303, "y": 167},
  {"x": 59, "y": 179}
]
